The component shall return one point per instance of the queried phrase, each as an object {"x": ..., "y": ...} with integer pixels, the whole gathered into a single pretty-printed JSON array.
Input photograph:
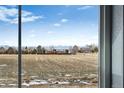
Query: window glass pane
[
  {"x": 60, "y": 46},
  {"x": 117, "y": 46},
  {"x": 8, "y": 46}
]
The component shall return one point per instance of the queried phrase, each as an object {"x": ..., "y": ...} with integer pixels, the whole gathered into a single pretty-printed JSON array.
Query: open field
[{"x": 50, "y": 70}]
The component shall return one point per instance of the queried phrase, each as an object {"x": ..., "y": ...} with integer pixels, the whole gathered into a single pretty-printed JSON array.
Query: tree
[
  {"x": 39, "y": 50},
  {"x": 95, "y": 50},
  {"x": 54, "y": 51},
  {"x": 2, "y": 50},
  {"x": 11, "y": 50},
  {"x": 66, "y": 51},
  {"x": 75, "y": 49},
  {"x": 26, "y": 50},
  {"x": 34, "y": 51},
  {"x": 43, "y": 50},
  {"x": 82, "y": 50},
  {"x": 91, "y": 46}
]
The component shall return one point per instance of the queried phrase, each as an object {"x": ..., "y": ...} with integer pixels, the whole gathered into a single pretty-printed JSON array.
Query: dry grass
[{"x": 51, "y": 67}]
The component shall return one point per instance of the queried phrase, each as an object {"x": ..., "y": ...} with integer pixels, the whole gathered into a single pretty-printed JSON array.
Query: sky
[{"x": 48, "y": 25}]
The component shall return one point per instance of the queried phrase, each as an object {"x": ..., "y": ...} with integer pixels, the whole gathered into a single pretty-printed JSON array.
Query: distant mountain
[
  {"x": 47, "y": 47},
  {"x": 59, "y": 47},
  {"x": 5, "y": 46}
]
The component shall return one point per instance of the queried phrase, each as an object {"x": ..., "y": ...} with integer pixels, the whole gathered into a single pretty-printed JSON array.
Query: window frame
[
  {"x": 19, "y": 47},
  {"x": 105, "y": 50},
  {"x": 104, "y": 55}
]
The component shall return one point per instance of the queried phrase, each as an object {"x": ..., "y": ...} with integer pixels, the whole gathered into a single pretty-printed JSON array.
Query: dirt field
[{"x": 50, "y": 70}]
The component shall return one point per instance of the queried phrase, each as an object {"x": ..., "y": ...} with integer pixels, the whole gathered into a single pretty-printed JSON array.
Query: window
[
  {"x": 59, "y": 46},
  {"x": 8, "y": 46},
  {"x": 111, "y": 47}
]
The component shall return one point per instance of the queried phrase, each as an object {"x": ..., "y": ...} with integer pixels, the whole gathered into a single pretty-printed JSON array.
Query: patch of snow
[
  {"x": 51, "y": 79},
  {"x": 68, "y": 75},
  {"x": 78, "y": 80},
  {"x": 34, "y": 76},
  {"x": 42, "y": 81},
  {"x": 60, "y": 82},
  {"x": 86, "y": 74},
  {"x": 3, "y": 65},
  {"x": 84, "y": 82},
  {"x": 3, "y": 79},
  {"x": 91, "y": 76},
  {"x": 12, "y": 84},
  {"x": 35, "y": 82},
  {"x": 64, "y": 82},
  {"x": 25, "y": 84},
  {"x": 2, "y": 84}
]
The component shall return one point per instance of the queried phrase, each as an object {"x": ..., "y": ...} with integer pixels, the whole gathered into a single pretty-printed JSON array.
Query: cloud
[
  {"x": 6, "y": 41},
  {"x": 30, "y": 18},
  {"x": 5, "y": 13},
  {"x": 10, "y": 15},
  {"x": 26, "y": 13},
  {"x": 67, "y": 6},
  {"x": 32, "y": 31},
  {"x": 57, "y": 25},
  {"x": 11, "y": 42},
  {"x": 84, "y": 7},
  {"x": 32, "y": 35},
  {"x": 12, "y": 6},
  {"x": 64, "y": 20},
  {"x": 50, "y": 32},
  {"x": 60, "y": 14}
]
